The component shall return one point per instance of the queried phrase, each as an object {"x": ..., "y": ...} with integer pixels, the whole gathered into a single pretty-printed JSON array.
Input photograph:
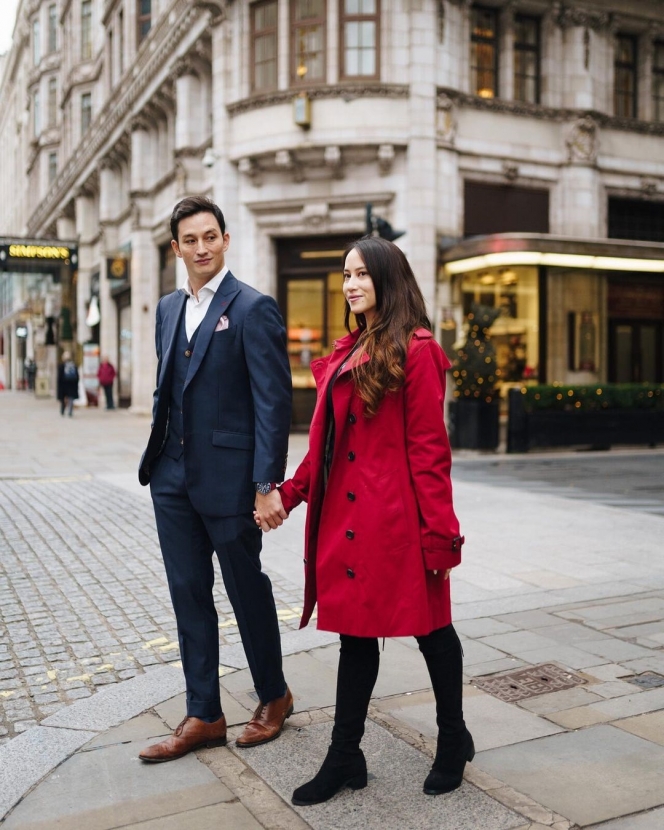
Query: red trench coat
[{"x": 375, "y": 537}]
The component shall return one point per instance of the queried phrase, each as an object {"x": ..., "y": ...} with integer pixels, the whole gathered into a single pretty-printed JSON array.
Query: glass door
[{"x": 636, "y": 351}]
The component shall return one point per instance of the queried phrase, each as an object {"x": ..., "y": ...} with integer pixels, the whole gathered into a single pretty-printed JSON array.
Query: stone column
[
  {"x": 141, "y": 163},
  {"x": 188, "y": 115},
  {"x": 421, "y": 180},
  {"x": 506, "y": 52},
  {"x": 144, "y": 298}
]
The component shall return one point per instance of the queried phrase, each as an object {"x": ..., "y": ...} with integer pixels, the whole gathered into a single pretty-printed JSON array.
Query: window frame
[
  {"x": 140, "y": 20},
  {"x": 52, "y": 102},
  {"x": 294, "y": 25},
  {"x": 86, "y": 32},
  {"x": 52, "y": 28},
  {"x": 633, "y": 68},
  {"x": 493, "y": 41},
  {"x": 36, "y": 42},
  {"x": 252, "y": 51},
  {"x": 37, "y": 125},
  {"x": 52, "y": 168},
  {"x": 85, "y": 128},
  {"x": 524, "y": 47},
  {"x": 658, "y": 72},
  {"x": 359, "y": 18}
]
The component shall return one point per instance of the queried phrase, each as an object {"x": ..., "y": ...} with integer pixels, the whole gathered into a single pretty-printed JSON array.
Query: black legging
[{"x": 359, "y": 658}]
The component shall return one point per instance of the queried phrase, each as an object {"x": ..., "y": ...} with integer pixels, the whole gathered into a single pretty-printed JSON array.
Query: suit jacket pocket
[{"x": 232, "y": 440}]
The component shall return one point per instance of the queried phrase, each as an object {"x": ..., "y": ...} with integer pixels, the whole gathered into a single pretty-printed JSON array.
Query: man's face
[{"x": 202, "y": 246}]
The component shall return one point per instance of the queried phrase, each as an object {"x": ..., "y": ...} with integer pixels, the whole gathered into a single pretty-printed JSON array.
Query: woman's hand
[{"x": 269, "y": 512}]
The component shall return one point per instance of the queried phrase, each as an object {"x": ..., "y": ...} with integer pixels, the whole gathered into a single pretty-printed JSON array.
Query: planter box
[
  {"x": 473, "y": 425},
  {"x": 597, "y": 430}
]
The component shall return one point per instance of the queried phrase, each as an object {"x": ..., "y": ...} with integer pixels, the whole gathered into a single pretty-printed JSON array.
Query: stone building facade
[{"x": 518, "y": 143}]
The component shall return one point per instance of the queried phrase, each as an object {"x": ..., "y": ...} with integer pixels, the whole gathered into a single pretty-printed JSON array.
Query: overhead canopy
[{"x": 37, "y": 256}]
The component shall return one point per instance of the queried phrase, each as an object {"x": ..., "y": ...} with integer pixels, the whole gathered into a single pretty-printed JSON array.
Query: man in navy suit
[{"x": 221, "y": 418}]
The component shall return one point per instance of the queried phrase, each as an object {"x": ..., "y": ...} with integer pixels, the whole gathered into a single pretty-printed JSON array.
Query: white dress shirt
[{"x": 197, "y": 308}]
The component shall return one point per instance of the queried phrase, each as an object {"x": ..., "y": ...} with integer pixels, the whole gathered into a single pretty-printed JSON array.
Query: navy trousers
[{"x": 188, "y": 541}]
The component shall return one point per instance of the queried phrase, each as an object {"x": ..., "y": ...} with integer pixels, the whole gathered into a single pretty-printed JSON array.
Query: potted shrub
[{"x": 474, "y": 407}]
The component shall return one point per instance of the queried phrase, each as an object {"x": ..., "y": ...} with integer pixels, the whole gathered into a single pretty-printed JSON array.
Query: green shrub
[{"x": 594, "y": 397}]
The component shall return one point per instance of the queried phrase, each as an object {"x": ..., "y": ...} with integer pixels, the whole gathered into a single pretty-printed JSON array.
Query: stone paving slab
[
  {"x": 652, "y": 820},
  {"x": 588, "y": 776},
  {"x": 29, "y": 757},
  {"x": 650, "y": 727},
  {"x": 393, "y": 799},
  {"x": 141, "y": 728},
  {"x": 173, "y": 711}
]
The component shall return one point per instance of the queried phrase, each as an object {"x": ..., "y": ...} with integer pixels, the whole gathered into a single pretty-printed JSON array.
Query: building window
[
  {"x": 36, "y": 114},
  {"x": 527, "y": 59},
  {"x": 111, "y": 62},
  {"x": 52, "y": 28},
  {"x": 36, "y": 45},
  {"x": 308, "y": 40},
  {"x": 625, "y": 77},
  {"x": 484, "y": 52},
  {"x": 52, "y": 101},
  {"x": 658, "y": 81},
  {"x": 264, "y": 45},
  {"x": 121, "y": 43},
  {"x": 86, "y": 30},
  {"x": 359, "y": 38},
  {"x": 144, "y": 18},
  {"x": 52, "y": 167},
  {"x": 86, "y": 112}
]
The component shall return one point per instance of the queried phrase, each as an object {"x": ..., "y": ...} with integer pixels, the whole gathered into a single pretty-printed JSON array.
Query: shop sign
[{"x": 636, "y": 301}]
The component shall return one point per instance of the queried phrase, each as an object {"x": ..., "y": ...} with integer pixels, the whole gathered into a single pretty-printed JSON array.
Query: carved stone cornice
[
  {"x": 568, "y": 17},
  {"x": 521, "y": 108},
  {"x": 216, "y": 8},
  {"x": 348, "y": 92}
]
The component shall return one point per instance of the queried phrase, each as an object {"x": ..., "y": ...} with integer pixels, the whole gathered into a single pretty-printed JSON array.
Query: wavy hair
[{"x": 400, "y": 310}]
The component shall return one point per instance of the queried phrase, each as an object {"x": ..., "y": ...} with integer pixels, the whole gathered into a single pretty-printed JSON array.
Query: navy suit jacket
[{"x": 236, "y": 402}]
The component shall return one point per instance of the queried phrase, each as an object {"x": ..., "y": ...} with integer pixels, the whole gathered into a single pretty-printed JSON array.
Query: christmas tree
[{"x": 475, "y": 373}]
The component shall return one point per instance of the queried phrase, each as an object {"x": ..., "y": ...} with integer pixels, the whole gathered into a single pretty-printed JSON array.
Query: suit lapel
[
  {"x": 170, "y": 336},
  {"x": 223, "y": 297}
]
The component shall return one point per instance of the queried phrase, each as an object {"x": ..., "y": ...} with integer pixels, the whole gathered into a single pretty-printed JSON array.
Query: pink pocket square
[{"x": 222, "y": 324}]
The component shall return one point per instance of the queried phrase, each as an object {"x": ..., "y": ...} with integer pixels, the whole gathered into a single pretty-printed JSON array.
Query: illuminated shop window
[{"x": 484, "y": 52}]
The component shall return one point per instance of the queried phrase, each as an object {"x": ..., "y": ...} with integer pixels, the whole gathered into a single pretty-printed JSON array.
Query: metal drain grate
[
  {"x": 647, "y": 680},
  {"x": 530, "y": 682}
]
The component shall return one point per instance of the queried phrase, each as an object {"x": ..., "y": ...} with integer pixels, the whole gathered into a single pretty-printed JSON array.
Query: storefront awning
[{"x": 509, "y": 249}]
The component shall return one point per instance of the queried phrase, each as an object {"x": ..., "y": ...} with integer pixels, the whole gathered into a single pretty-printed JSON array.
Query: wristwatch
[{"x": 265, "y": 487}]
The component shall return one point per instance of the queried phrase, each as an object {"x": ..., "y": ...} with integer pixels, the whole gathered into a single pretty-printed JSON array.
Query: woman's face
[{"x": 359, "y": 289}]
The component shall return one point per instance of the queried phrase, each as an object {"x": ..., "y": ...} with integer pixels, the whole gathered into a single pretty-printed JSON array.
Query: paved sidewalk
[{"x": 546, "y": 581}]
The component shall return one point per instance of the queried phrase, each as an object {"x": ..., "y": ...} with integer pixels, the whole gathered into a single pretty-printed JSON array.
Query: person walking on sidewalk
[
  {"x": 106, "y": 375},
  {"x": 67, "y": 384},
  {"x": 221, "y": 419},
  {"x": 381, "y": 532}
]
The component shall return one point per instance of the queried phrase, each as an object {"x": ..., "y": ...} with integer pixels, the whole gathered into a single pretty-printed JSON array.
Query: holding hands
[{"x": 269, "y": 512}]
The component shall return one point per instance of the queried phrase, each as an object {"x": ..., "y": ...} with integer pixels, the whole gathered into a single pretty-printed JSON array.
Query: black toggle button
[
  {"x": 350, "y": 496},
  {"x": 352, "y": 419},
  {"x": 350, "y": 573},
  {"x": 187, "y": 353},
  {"x": 351, "y": 456},
  {"x": 350, "y": 534},
  {"x": 305, "y": 561}
]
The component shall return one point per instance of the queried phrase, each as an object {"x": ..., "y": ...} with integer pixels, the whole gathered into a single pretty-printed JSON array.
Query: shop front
[
  {"x": 310, "y": 296},
  {"x": 569, "y": 311}
]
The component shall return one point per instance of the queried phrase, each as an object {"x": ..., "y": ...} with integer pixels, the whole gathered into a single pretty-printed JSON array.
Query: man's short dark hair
[{"x": 192, "y": 205}]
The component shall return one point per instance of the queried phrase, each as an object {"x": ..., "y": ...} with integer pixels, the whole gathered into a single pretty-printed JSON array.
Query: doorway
[{"x": 636, "y": 351}]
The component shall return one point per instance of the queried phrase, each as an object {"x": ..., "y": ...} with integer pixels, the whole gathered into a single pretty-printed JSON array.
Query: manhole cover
[
  {"x": 647, "y": 680},
  {"x": 530, "y": 682}
]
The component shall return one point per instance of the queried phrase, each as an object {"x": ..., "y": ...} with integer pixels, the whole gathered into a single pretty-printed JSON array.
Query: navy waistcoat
[{"x": 184, "y": 348}]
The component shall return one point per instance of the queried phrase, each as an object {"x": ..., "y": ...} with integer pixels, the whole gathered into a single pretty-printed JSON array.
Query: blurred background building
[{"x": 518, "y": 144}]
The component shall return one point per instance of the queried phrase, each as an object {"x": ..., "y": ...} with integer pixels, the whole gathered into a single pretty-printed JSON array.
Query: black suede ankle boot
[
  {"x": 451, "y": 758},
  {"x": 339, "y": 770}
]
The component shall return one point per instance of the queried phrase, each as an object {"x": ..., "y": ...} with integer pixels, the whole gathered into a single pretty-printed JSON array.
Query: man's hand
[{"x": 269, "y": 513}]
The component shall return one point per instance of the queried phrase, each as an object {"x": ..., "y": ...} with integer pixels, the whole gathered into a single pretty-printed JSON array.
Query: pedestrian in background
[
  {"x": 381, "y": 533},
  {"x": 31, "y": 372},
  {"x": 221, "y": 418},
  {"x": 106, "y": 375},
  {"x": 67, "y": 384}
]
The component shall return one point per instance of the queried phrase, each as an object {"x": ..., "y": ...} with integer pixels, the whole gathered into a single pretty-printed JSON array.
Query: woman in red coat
[{"x": 381, "y": 533}]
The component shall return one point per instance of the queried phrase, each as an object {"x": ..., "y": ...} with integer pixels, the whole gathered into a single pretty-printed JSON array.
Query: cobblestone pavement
[
  {"x": 83, "y": 596},
  {"x": 629, "y": 479}
]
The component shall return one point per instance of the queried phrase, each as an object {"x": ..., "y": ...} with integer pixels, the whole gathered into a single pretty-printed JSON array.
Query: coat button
[
  {"x": 351, "y": 456},
  {"x": 182, "y": 441},
  {"x": 351, "y": 418},
  {"x": 305, "y": 561},
  {"x": 187, "y": 353},
  {"x": 350, "y": 534},
  {"x": 350, "y": 496},
  {"x": 350, "y": 573}
]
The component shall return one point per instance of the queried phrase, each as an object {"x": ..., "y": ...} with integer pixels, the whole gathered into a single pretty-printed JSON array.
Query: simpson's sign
[{"x": 39, "y": 252}]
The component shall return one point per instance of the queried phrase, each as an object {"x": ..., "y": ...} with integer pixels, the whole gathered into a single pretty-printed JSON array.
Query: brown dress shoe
[
  {"x": 191, "y": 734},
  {"x": 267, "y": 722}
]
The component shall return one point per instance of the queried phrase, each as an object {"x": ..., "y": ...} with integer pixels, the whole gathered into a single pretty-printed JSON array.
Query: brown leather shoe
[
  {"x": 267, "y": 722},
  {"x": 191, "y": 734}
]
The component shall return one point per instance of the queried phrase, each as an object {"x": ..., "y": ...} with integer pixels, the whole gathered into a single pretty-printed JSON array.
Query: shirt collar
[{"x": 212, "y": 285}]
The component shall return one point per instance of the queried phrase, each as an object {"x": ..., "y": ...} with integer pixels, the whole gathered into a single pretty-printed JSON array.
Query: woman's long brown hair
[{"x": 400, "y": 310}]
